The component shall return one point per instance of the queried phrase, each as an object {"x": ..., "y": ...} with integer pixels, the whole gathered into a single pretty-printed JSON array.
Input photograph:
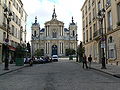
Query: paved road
[{"x": 62, "y": 75}]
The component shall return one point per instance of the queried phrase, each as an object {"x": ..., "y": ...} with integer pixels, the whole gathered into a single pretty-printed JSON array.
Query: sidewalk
[
  {"x": 113, "y": 70},
  {"x": 12, "y": 67}
]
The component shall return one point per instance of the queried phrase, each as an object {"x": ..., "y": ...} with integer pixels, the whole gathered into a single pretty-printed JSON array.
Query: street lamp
[
  {"x": 8, "y": 15},
  {"x": 101, "y": 16},
  {"x": 76, "y": 48}
]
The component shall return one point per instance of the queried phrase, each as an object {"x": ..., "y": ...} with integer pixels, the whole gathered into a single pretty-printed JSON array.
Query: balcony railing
[
  {"x": 110, "y": 28},
  {"x": 97, "y": 33}
]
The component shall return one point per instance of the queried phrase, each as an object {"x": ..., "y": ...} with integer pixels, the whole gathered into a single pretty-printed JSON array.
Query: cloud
[{"x": 43, "y": 9}]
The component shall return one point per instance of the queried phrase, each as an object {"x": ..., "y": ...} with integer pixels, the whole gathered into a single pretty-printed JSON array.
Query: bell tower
[
  {"x": 35, "y": 29},
  {"x": 73, "y": 29}
]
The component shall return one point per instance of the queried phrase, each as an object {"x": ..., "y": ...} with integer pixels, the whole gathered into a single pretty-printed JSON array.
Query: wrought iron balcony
[{"x": 97, "y": 34}]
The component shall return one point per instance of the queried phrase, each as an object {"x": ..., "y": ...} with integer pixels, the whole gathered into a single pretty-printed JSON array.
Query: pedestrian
[
  {"x": 85, "y": 61},
  {"x": 90, "y": 60}
]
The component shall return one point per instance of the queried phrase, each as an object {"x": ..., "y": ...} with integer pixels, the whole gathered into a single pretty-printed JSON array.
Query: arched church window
[
  {"x": 35, "y": 33},
  {"x": 73, "y": 33}
]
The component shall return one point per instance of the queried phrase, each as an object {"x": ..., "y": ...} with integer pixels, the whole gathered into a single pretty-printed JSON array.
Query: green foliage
[
  {"x": 39, "y": 52},
  {"x": 70, "y": 52},
  {"x": 20, "y": 51},
  {"x": 80, "y": 50}
]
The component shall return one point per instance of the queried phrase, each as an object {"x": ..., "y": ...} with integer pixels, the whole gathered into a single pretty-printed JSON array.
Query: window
[
  {"x": 90, "y": 33},
  {"x": 86, "y": 21},
  {"x": 83, "y": 13},
  {"x": 118, "y": 10},
  {"x": 73, "y": 33},
  {"x": 83, "y": 24},
  {"x": 89, "y": 17},
  {"x": 111, "y": 53},
  {"x": 111, "y": 48},
  {"x": 93, "y": 2},
  {"x": 110, "y": 39},
  {"x": 14, "y": 2},
  {"x": 86, "y": 10},
  {"x": 94, "y": 13},
  {"x": 83, "y": 37},
  {"x": 16, "y": 19},
  {"x": 54, "y": 34},
  {"x": 35, "y": 33},
  {"x": 87, "y": 36},
  {"x": 13, "y": 29},
  {"x": 109, "y": 20},
  {"x": 94, "y": 27},
  {"x": 108, "y": 2},
  {"x": 4, "y": 36},
  {"x": 5, "y": 1},
  {"x": 89, "y": 3},
  {"x": 99, "y": 6}
]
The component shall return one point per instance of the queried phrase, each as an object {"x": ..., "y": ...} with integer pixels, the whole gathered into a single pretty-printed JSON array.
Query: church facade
[{"x": 53, "y": 39}]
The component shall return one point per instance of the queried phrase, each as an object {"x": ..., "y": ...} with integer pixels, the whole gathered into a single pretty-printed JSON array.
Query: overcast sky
[{"x": 43, "y": 9}]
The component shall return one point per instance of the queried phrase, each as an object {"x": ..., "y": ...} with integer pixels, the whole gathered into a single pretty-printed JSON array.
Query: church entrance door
[{"x": 54, "y": 50}]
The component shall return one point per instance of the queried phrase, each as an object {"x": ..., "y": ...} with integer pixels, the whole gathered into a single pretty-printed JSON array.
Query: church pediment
[{"x": 54, "y": 22}]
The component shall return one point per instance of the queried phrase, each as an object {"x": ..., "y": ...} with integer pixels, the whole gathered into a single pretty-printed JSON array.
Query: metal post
[
  {"x": 8, "y": 14},
  {"x": 101, "y": 15},
  {"x": 7, "y": 48}
]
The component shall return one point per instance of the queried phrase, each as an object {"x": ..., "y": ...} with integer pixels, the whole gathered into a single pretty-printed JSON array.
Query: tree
[
  {"x": 39, "y": 52},
  {"x": 70, "y": 52},
  {"x": 20, "y": 51},
  {"x": 80, "y": 51}
]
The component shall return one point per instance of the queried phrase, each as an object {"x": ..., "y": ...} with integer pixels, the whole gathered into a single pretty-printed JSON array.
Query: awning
[{"x": 11, "y": 48}]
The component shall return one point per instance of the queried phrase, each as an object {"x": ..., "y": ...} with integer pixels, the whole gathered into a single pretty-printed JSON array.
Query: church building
[{"x": 53, "y": 39}]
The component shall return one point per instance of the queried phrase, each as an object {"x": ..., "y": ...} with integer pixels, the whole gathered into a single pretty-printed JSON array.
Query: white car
[{"x": 55, "y": 58}]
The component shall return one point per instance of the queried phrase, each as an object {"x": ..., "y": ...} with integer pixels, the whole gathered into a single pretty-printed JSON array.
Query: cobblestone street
[{"x": 61, "y": 75}]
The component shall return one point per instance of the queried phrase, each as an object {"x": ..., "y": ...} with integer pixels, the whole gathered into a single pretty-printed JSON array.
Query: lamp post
[
  {"x": 76, "y": 49},
  {"x": 101, "y": 16},
  {"x": 8, "y": 15}
]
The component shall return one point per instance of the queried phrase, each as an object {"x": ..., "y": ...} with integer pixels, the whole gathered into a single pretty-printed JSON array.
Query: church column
[
  {"x": 62, "y": 47},
  {"x": 62, "y": 30},
  {"x": 48, "y": 47},
  {"x": 46, "y": 30}
]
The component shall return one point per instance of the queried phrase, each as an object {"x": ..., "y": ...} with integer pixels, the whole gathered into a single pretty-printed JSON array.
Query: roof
[
  {"x": 35, "y": 24},
  {"x": 66, "y": 30},
  {"x": 72, "y": 23},
  {"x": 42, "y": 30}
]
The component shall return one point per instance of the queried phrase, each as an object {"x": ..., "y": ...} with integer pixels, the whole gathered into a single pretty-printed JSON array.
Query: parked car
[
  {"x": 26, "y": 60},
  {"x": 55, "y": 58}
]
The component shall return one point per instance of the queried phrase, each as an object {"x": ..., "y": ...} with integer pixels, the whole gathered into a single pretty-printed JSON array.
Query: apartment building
[
  {"x": 17, "y": 26},
  {"x": 101, "y": 35}
]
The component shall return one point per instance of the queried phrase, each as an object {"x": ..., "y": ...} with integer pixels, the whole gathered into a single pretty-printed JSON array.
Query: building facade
[
  {"x": 53, "y": 39},
  {"x": 102, "y": 33},
  {"x": 16, "y": 28}
]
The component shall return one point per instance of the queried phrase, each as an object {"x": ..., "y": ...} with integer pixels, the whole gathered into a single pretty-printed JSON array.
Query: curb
[
  {"x": 13, "y": 70},
  {"x": 114, "y": 75}
]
